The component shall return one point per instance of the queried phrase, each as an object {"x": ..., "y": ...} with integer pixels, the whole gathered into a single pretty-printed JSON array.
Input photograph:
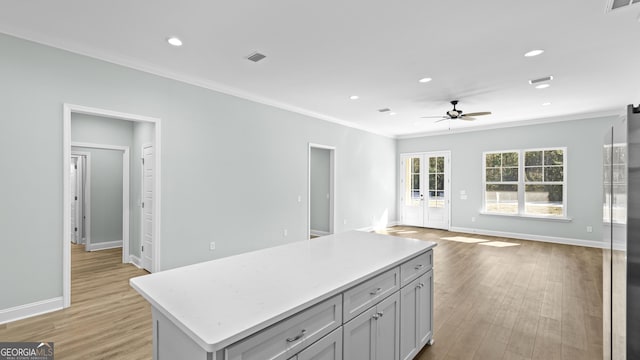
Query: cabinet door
[
  {"x": 409, "y": 323},
  {"x": 327, "y": 348},
  {"x": 425, "y": 308},
  {"x": 388, "y": 328},
  {"x": 359, "y": 336}
]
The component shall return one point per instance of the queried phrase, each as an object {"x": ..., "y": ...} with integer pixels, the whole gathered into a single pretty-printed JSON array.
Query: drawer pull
[
  {"x": 375, "y": 291},
  {"x": 418, "y": 267},
  {"x": 421, "y": 285},
  {"x": 297, "y": 337}
]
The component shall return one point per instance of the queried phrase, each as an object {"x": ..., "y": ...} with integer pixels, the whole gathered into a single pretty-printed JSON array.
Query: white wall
[
  {"x": 583, "y": 139},
  {"x": 232, "y": 169}
]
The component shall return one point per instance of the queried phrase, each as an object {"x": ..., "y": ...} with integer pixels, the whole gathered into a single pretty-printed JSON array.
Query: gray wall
[
  {"x": 106, "y": 172},
  {"x": 320, "y": 159},
  {"x": 232, "y": 169},
  {"x": 583, "y": 140}
]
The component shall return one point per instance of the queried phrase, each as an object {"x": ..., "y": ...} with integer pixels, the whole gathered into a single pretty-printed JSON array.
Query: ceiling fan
[{"x": 458, "y": 114}]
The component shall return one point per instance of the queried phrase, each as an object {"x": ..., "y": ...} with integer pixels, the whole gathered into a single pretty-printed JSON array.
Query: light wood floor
[
  {"x": 528, "y": 300},
  {"x": 525, "y": 300},
  {"x": 107, "y": 318}
]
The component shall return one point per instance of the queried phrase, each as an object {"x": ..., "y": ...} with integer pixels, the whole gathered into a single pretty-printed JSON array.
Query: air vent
[
  {"x": 256, "y": 56},
  {"x": 617, "y": 4},
  {"x": 384, "y": 110},
  {"x": 540, "y": 80}
]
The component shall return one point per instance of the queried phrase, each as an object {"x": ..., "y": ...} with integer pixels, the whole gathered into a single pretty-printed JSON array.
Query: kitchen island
[{"x": 349, "y": 295}]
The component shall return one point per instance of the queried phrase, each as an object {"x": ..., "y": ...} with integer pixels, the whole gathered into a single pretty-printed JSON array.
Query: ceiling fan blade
[
  {"x": 443, "y": 119},
  {"x": 467, "y": 118},
  {"x": 478, "y": 113},
  {"x": 433, "y": 117}
]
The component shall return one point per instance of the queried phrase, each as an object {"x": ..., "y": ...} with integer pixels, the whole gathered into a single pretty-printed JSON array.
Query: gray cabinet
[
  {"x": 416, "y": 315},
  {"x": 374, "y": 334},
  {"x": 327, "y": 348}
]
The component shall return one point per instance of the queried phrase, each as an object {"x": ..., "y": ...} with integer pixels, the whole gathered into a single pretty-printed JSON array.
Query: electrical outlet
[
  {"x": 473, "y": 219},
  {"x": 212, "y": 245},
  {"x": 299, "y": 198},
  {"x": 345, "y": 221},
  {"x": 285, "y": 232},
  {"x": 589, "y": 228}
]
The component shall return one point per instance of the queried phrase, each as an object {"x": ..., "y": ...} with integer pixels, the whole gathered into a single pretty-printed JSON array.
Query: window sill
[{"x": 549, "y": 218}]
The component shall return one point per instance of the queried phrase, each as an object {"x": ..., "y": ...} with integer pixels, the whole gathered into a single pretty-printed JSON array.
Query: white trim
[
  {"x": 28, "y": 310},
  {"x": 68, "y": 109},
  {"x": 332, "y": 187},
  {"x": 126, "y": 190},
  {"x": 135, "y": 261},
  {"x": 549, "y": 239},
  {"x": 533, "y": 217},
  {"x": 319, "y": 232},
  {"x": 106, "y": 245}
]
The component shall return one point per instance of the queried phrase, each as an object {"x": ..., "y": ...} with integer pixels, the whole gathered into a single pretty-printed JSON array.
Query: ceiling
[{"x": 319, "y": 53}]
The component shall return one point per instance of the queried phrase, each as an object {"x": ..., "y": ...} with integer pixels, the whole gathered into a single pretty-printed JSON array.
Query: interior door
[
  {"x": 412, "y": 183},
  {"x": 147, "y": 207},
  {"x": 437, "y": 176}
]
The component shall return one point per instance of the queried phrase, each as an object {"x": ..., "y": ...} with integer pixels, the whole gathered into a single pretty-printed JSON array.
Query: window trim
[{"x": 521, "y": 184}]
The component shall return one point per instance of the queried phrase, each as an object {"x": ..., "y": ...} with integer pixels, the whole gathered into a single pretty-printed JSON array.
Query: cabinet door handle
[
  {"x": 421, "y": 285},
  {"x": 297, "y": 337},
  {"x": 418, "y": 267},
  {"x": 376, "y": 316},
  {"x": 380, "y": 313},
  {"x": 375, "y": 291}
]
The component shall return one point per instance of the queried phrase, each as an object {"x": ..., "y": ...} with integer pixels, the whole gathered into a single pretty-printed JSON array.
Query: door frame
[
  {"x": 85, "y": 197},
  {"x": 448, "y": 176},
  {"x": 332, "y": 186},
  {"x": 126, "y": 190},
  {"x": 68, "y": 110}
]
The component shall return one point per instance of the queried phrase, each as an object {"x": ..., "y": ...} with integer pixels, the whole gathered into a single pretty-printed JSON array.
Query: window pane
[
  {"x": 493, "y": 175},
  {"x": 432, "y": 165},
  {"x": 501, "y": 199},
  {"x": 533, "y": 174},
  {"x": 510, "y": 159},
  {"x": 510, "y": 174},
  {"x": 440, "y": 167},
  {"x": 440, "y": 182},
  {"x": 533, "y": 158},
  {"x": 543, "y": 200},
  {"x": 553, "y": 173},
  {"x": 492, "y": 160},
  {"x": 432, "y": 181},
  {"x": 553, "y": 157},
  {"x": 416, "y": 165},
  {"x": 415, "y": 181},
  {"x": 436, "y": 199}
]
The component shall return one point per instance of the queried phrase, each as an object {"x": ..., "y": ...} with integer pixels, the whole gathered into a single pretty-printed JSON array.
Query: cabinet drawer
[
  {"x": 286, "y": 338},
  {"x": 370, "y": 292},
  {"x": 415, "y": 267}
]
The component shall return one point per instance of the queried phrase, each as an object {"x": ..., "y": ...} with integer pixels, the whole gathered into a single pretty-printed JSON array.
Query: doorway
[
  {"x": 155, "y": 138},
  {"x": 425, "y": 189},
  {"x": 321, "y": 190}
]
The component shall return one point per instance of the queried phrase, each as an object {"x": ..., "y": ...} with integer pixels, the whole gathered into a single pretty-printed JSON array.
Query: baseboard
[
  {"x": 104, "y": 245},
  {"x": 549, "y": 239},
  {"x": 319, "y": 232},
  {"x": 29, "y": 310},
  {"x": 135, "y": 261}
]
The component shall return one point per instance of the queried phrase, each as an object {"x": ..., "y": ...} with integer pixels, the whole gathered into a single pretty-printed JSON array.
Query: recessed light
[
  {"x": 392, "y": 113},
  {"x": 354, "y": 97},
  {"x": 546, "y": 104},
  {"x": 174, "y": 41},
  {"x": 425, "y": 80},
  {"x": 543, "y": 86},
  {"x": 533, "y": 53}
]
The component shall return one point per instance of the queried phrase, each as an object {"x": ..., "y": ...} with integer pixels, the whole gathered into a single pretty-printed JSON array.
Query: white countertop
[{"x": 221, "y": 301}]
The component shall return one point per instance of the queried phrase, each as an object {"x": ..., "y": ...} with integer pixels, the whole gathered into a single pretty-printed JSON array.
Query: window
[
  {"x": 436, "y": 181},
  {"x": 525, "y": 182},
  {"x": 501, "y": 182}
]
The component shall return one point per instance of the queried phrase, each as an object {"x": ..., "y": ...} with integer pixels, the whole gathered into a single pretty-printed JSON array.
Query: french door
[{"x": 425, "y": 190}]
